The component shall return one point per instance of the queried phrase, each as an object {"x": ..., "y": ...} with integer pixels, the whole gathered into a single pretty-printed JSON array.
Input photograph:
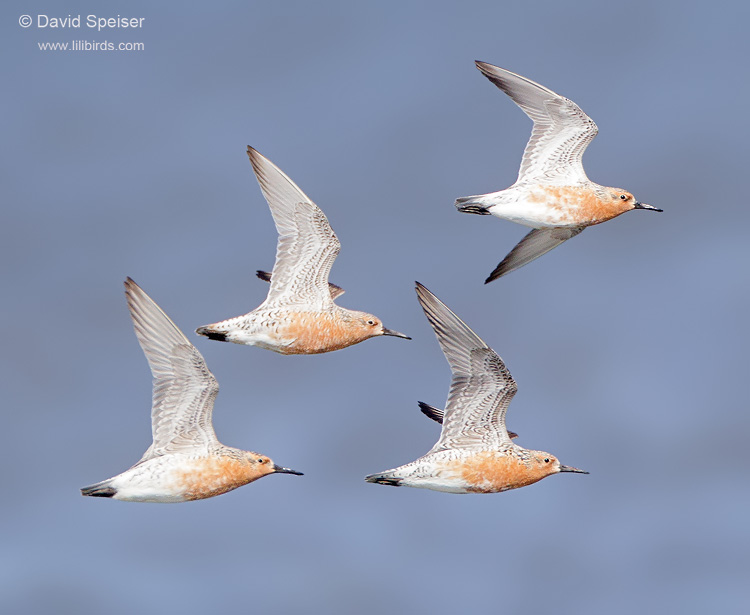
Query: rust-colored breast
[
  {"x": 212, "y": 476},
  {"x": 316, "y": 332},
  {"x": 490, "y": 472},
  {"x": 583, "y": 204}
]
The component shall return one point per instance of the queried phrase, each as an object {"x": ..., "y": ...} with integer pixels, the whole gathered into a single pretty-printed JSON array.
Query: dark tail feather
[
  {"x": 263, "y": 275},
  {"x": 384, "y": 479},
  {"x": 468, "y": 205},
  {"x": 211, "y": 334},
  {"x": 99, "y": 490}
]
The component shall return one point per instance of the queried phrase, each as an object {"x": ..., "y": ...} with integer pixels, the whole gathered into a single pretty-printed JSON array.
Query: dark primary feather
[{"x": 431, "y": 412}]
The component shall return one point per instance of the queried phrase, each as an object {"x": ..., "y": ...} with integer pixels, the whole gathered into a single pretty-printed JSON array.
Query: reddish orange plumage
[
  {"x": 316, "y": 332},
  {"x": 582, "y": 205},
  {"x": 493, "y": 471},
  {"x": 212, "y": 476}
]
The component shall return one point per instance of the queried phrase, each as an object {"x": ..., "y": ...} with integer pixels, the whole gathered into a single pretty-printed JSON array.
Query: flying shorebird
[
  {"x": 298, "y": 315},
  {"x": 185, "y": 460},
  {"x": 475, "y": 453},
  {"x": 552, "y": 193}
]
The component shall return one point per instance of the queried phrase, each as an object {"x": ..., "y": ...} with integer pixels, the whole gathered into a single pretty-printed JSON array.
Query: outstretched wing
[
  {"x": 307, "y": 244},
  {"x": 184, "y": 389},
  {"x": 532, "y": 246},
  {"x": 561, "y": 132},
  {"x": 481, "y": 388}
]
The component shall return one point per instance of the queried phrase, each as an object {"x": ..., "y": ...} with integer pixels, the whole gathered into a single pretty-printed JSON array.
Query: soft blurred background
[{"x": 628, "y": 343}]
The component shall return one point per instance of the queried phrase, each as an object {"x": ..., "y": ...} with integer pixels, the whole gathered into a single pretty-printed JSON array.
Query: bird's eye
[
  {"x": 624, "y": 197},
  {"x": 370, "y": 322},
  {"x": 261, "y": 460},
  {"x": 546, "y": 460}
]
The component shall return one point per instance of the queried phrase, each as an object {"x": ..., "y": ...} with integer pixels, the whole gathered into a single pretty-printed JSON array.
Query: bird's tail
[
  {"x": 211, "y": 333},
  {"x": 385, "y": 478},
  {"x": 472, "y": 205},
  {"x": 102, "y": 489}
]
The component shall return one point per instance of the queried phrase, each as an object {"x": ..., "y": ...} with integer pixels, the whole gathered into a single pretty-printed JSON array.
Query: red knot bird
[
  {"x": 185, "y": 460},
  {"x": 298, "y": 315},
  {"x": 552, "y": 194},
  {"x": 475, "y": 453}
]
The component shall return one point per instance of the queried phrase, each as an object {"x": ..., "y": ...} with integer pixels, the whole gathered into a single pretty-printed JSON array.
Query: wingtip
[
  {"x": 503, "y": 268},
  {"x": 431, "y": 412},
  {"x": 132, "y": 290},
  {"x": 485, "y": 67},
  {"x": 424, "y": 294},
  {"x": 497, "y": 273},
  {"x": 254, "y": 155}
]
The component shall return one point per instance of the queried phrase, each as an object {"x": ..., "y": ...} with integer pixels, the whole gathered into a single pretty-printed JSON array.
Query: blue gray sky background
[{"x": 628, "y": 343}]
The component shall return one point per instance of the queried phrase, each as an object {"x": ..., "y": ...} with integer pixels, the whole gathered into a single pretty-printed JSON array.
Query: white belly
[{"x": 534, "y": 208}]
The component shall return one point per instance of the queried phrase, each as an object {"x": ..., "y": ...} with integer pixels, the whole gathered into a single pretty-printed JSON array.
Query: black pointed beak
[
  {"x": 395, "y": 333},
  {"x": 644, "y": 206},
  {"x": 280, "y": 470},
  {"x": 571, "y": 469}
]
